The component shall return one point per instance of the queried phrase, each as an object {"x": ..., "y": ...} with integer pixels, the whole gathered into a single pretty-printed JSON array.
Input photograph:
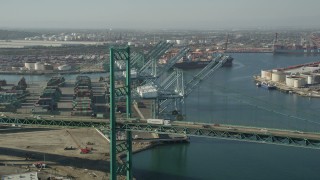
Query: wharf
[
  {"x": 307, "y": 92},
  {"x": 145, "y": 112},
  {"x": 249, "y": 50}
]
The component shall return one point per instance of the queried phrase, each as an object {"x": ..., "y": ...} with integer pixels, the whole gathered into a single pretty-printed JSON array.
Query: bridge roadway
[{"x": 221, "y": 131}]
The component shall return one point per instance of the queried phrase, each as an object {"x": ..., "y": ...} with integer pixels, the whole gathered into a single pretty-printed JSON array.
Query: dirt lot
[{"x": 47, "y": 145}]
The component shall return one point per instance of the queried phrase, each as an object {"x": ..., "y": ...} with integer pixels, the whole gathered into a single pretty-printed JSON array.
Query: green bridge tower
[{"x": 120, "y": 54}]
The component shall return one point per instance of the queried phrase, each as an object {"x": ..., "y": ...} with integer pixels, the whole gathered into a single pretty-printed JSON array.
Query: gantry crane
[
  {"x": 170, "y": 91},
  {"x": 187, "y": 88}
]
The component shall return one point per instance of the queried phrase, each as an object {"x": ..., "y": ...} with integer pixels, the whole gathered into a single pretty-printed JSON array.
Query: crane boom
[{"x": 74, "y": 140}]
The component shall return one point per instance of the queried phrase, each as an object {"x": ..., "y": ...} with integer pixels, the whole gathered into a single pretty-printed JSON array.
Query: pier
[{"x": 291, "y": 90}]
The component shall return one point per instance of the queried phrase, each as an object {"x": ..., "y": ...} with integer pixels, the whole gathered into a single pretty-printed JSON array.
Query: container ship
[
  {"x": 295, "y": 49},
  {"x": 199, "y": 59},
  {"x": 303, "y": 48},
  {"x": 187, "y": 63}
]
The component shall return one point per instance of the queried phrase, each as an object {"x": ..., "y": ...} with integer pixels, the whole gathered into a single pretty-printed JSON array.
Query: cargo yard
[
  {"x": 72, "y": 153},
  {"x": 56, "y": 97},
  {"x": 301, "y": 79}
]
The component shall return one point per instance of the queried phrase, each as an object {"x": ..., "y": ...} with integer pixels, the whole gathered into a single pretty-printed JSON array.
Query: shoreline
[
  {"x": 148, "y": 144},
  {"x": 304, "y": 92}
]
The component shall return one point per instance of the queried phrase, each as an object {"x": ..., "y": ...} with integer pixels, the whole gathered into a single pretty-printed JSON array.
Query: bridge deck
[{"x": 265, "y": 135}]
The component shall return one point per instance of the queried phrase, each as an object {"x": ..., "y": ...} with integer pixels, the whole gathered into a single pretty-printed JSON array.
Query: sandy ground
[{"x": 48, "y": 145}]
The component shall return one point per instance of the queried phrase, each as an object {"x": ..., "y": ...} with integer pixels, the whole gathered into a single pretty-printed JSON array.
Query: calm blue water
[{"x": 231, "y": 97}]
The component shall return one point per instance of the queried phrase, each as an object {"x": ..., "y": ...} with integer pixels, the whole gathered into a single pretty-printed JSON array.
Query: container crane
[
  {"x": 162, "y": 69},
  {"x": 169, "y": 92},
  {"x": 186, "y": 88},
  {"x": 149, "y": 69}
]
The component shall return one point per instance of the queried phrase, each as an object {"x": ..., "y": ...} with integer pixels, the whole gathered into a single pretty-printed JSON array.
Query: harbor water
[{"x": 231, "y": 97}]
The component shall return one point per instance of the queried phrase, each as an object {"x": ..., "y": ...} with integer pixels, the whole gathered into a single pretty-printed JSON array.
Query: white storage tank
[
  {"x": 64, "y": 67},
  {"x": 263, "y": 74},
  {"x": 299, "y": 82},
  {"x": 275, "y": 77},
  {"x": 289, "y": 81},
  {"x": 30, "y": 65},
  {"x": 268, "y": 75},
  {"x": 39, "y": 66},
  {"x": 310, "y": 79},
  {"x": 278, "y": 76}
]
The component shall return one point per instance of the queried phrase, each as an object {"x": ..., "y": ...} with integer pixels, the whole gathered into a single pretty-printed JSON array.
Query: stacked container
[
  {"x": 48, "y": 100},
  {"x": 10, "y": 99},
  {"x": 82, "y": 99},
  {"x": 56, "y": 81}
]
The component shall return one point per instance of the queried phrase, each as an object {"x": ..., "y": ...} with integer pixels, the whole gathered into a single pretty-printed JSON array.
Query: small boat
[
  {"x": 268, "y": 85},
  {"x": 258, "y": 84}
]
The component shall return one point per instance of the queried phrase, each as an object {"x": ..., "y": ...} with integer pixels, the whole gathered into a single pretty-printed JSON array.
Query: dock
[{"x": 290, "y": 90}]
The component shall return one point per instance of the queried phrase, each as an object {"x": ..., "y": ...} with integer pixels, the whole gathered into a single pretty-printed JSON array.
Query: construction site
[{"x": 157, "y": 90}]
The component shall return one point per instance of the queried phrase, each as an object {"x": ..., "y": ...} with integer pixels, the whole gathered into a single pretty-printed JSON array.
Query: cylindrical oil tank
[
  {"x": 289, "y": 81},
  {"x": 268, "y": 75},
  {"x": 278, "y": 76},
  {"x": 39, "y": 66},
  {"x": 310, "y": 79},
  {"x": 299, "y": 82},
  {"x": 29, "y": 65},
  {"x": 263, "y": 74}
]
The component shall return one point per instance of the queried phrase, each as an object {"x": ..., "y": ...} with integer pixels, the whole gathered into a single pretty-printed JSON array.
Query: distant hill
[{"x": 12, "y": 35}]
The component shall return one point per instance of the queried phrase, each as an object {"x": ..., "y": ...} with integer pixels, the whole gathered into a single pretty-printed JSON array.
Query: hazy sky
[{"x": 159, "y": 14}]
